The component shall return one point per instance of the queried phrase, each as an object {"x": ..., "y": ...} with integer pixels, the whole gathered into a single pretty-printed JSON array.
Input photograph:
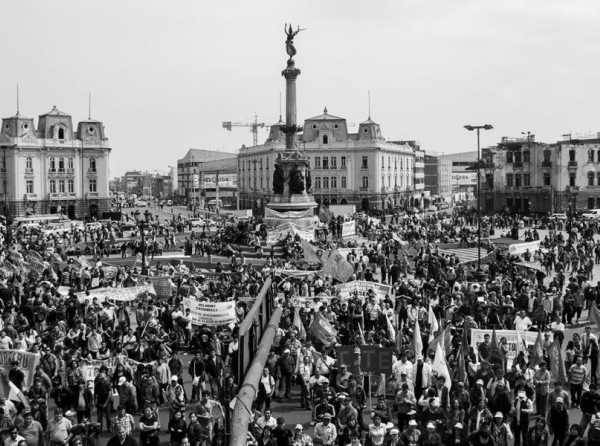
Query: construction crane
[{"x": 254, "y": 126}]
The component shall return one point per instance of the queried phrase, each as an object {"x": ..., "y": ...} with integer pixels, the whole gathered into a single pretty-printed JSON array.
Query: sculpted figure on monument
[
  {"x": 308, "y": 182},
  {"x": 290, "y": 49},
  {"x": 278, "y": 180},
  {"x": 296, "y": 181}
]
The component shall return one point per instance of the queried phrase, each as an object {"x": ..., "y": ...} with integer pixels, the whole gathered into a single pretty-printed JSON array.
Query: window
[
  {"x": 343, "y": 161},
  {"x": 572, "y": 179},
  {"x": 261, "y": 182},
  {"x": 365, "y": 163},
  {"x": 325, "y": 139},
  {"x": 526, "y": 180},
  {"x": 93, "y": 165},
  {"x": 590, "y": 176},
  {"x": 590, "y": 156},
  {"x": 509, "y": 157},
  {"x": 546, "y": 179},
  {"x": 317, "y": 182},
  {"x": 61, "y": 186},
  {"x": 29, "y": 163},
  {"x": 517, "y": 157},
  {"x": 52, "y": 164},
  {"x": 489, "y": 180},
  {"x": 334, "y": 182},
  {"x": 317, "y": 162},
  {"x": 382, "y": 162},
  {"x": 389, "y": 180},
  {"x": 598, "y": 177},
  {"x": 591, "y": 203},
  {"x": 29, "y": 186},
  {"x": 260, "y": 164},
  {"x": 598, "y": 156},
  {"x": 52, "y": 186},
  {"x": 509, "y": 180},
  {"x": 70, "y": 163},
  {"x": 518, "y": 180},
  {"x": 92, "y": 185},
  {"x": 334, "y": 162},
  {"x": 61, "y": 133},
  {"x": 395, "y": 162},
  {"x": 71, "y": 186},
  {"x": 365, "y": 182},
  {"x": 325, "y": 162},
  {"x": 571, "y": 155},
  {"x": 598, "y": 202},
  {"x": 61, "y": 164},
  {"x": 325, "y": 182},
  {"x": 343, "y": 182},
  {"x": 547, "y": 155},
  {"x": 382, "y": 180},
  {"x": 526, "y": 156}
]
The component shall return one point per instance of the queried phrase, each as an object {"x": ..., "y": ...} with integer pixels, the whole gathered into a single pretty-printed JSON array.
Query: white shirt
[{"x": 522, "y": 323}]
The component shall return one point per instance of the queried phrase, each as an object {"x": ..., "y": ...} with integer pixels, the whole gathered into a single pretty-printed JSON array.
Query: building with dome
[
  {"x": 360, "y": 168},
  {"x": 54, "y": 168}
]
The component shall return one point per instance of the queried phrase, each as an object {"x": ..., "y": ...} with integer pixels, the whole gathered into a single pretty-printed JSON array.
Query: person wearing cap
[
  {"x": 31, "y": 430},
  {"x": 523, "y": 410},
  {"x": 538, "y": 434},
  {"x": 430, "y": 437},
  {"x": 285, "y": 370},
  {"x": 501, "y": 433},
  {"x": 558, "y": 420},
  {"x": 411, "y": 435},
  {"x": 299, "y": 438},
  {"x": 325, "y": 431},
  {"x": 346, "y": 411}
]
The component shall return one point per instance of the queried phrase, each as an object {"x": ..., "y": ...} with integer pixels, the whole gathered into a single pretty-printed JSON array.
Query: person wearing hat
[
  {"x": 31, "y": 430},
  {"x": 299, "y": 438},
  {"x": 538, "y": 434},
  {"x": 411, "y": 435},
  {"x": 325, "y": 431},
  {"x": 558, "y": 420},
  {"x": 500, "y": 431},
  {"x": 285, "y": 367},
  {"x": 430, "y": 437},
  {"x": 346, "y": 410},
  {"x": 523, "y": 410}
]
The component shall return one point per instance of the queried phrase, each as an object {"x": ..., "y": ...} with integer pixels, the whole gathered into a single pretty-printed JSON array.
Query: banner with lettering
[
  {"x": 27, "y": 362},
  {"x": 115, "y": 294},
  {"x": 514, "y": 339},
  {"x": 362, "y": 287},
  {"x": 210, "y": 313},
  {"x": 349, "y": 228}
]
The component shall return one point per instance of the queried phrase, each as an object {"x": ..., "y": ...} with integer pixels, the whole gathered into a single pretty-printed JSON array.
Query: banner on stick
[{"x": 210, "y": 313}]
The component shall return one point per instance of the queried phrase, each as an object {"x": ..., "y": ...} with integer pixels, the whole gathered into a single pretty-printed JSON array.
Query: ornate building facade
[
  {"x": 55, "y": 167},
  {"x": 346, "y": 168}
]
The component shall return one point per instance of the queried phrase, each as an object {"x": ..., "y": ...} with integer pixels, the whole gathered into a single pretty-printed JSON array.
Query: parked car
[{"x": 593, "y": 214}]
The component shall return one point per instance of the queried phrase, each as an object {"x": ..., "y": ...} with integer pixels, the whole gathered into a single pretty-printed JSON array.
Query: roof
[
  {"x": 325, "y": 117},
  {"x": 369, "y": 121},
  {"x": 55, "y": 112},
  {"x": 206, "y": 155}
]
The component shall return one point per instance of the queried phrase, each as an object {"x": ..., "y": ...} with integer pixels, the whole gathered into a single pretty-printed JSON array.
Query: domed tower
[
  {"x": 369, "y": 130},
  {"x": 55, "y": 125}
]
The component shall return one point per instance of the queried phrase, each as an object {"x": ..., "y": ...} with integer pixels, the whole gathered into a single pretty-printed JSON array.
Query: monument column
[{"x": 291, "y": 73}]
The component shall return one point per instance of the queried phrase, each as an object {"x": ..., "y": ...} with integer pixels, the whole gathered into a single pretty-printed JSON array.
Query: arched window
[
  {"x": 52, "y": 164},
  {"x": 70, "y": 163},
  {"x": 590, "y": 178},
  {"x": 61, "y": 133},
  {"x": 92, "y": 164},
  {"x": 29, "y": 163},
  {"x": 325, "y": 139}
]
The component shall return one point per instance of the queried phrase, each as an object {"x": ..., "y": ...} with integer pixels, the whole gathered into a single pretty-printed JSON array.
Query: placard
[
  {"x": 27, "y": 362},
  {"x": 513, "y": 337},
  {"x": 373, "y": 359},
  {"x": 349, "y": 228},
  {"x": 210, "y": 313},
  {"x": 117, "y": 294}
]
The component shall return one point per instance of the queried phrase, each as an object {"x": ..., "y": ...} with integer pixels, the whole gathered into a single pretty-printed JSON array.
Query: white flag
[{"x": 440, "y": 367}]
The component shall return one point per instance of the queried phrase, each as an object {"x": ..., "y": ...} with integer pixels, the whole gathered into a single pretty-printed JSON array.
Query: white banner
[
  {"x": 513, "y": 337},
  {"x": 302, "y": 301},
  {"x": 118, "y": 294},
  {"x": 519, "y": 248},
  {"x": 210, "y": 313},
  {"x": 294, "y": 272},
  {"x": 362, "y": 287},
  {"x": 349, "y": 228}
]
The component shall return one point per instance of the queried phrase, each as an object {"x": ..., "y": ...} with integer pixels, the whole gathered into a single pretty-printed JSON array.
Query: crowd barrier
[{"x": 252, "y": 328}]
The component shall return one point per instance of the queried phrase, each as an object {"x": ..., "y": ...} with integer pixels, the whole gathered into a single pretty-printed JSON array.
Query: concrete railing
[{"x": 242, "y": 411}]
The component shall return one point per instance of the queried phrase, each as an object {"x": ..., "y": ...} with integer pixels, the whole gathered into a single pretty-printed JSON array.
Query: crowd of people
[{"x": 130, "y": 365}]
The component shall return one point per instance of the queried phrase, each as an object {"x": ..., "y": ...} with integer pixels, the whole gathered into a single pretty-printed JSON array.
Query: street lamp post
[
  {"x": 478, "y": 128},
  {"x": 142, "y": 221}
]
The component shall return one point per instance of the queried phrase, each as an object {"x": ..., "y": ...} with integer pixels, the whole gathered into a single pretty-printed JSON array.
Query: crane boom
[{"x": 254, "y": 126}]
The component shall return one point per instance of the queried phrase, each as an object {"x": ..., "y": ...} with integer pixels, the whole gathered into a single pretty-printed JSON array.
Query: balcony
[
  {"x": 547, "y": 164},
  {"x": 572, "y": 165}
]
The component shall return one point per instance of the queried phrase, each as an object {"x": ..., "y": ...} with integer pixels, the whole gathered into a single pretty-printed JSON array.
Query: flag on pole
[
  {"x": 439, "y": 339},
  {"x": 433, "y": 324},
  {"x": 390, "y": 327},
  {"x": 557, "y": 365},
  {"x": 461, "y": 369},
  {"x": 322, "y": 330},
  {"x": 537, "y": 355},
  {"x": 440, "y": 367},
  {"x": 298, "y": 324},
  {"x": 595, "y": 316},
  {"x": 522, "y": 347},
  {"x": 417, "y": 340}
]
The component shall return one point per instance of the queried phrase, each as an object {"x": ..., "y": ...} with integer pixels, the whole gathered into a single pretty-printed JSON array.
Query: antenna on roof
[
  {"x": 89, "y": 106},
  {"x": 369, "y": 95},
  {"x": 18, "y": 101}
]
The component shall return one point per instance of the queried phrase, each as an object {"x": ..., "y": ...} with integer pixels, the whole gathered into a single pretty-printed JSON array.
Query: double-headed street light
[
  {"x": 142, "y": 221},
  {"x": 479, "y": 128}
]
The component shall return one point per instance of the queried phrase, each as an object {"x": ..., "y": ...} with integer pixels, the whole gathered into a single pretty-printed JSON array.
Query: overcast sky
[{"x": 164, "y": 74}]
